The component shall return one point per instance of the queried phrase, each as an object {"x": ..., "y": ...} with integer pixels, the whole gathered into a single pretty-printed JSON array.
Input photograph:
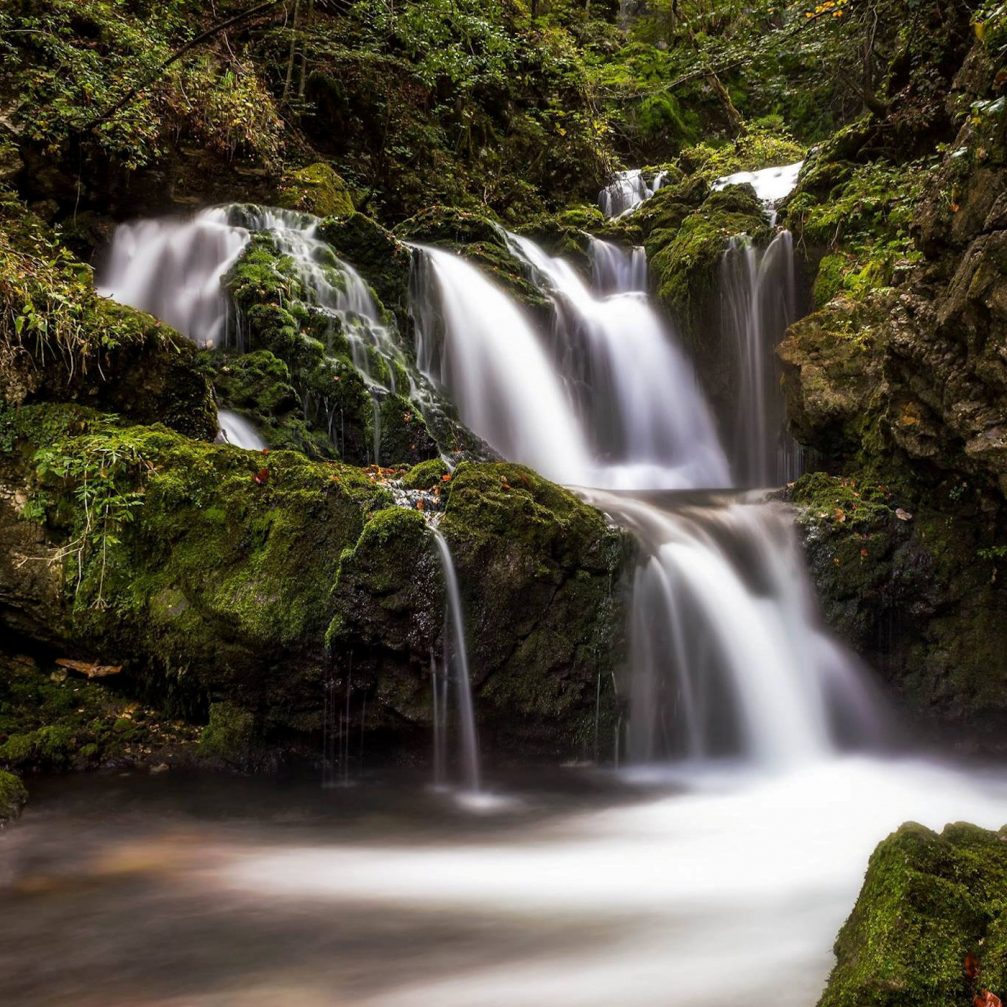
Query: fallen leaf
[
  {"x": 91, "y": 669},
  {"x": 261, "y": 477},
  {"x": 903, "y": 515},
  {"x": 986, "y": 999},
  {"x": 863, "y": 553},
  {"x": 839, "y": 515}
]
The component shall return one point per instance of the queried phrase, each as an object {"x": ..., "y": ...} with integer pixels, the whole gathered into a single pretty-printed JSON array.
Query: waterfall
[
  {"x": 637, "y": 396},
  {"x": 456, "y": 658},
  {"x": 758, "y": 303},
  {"x": 236, "y": 430},
  {"x": 728, "y": 654},
  {"x": 606, "y": 399},
  {"x": 771, "y": 184},
  {"x": 728, "y": 658},
  {"x": 627, "y": 190},
  {"x": 490, "y": 362},
  {"x": 173, "y": 268},
  {"x": 617, "y": 270}
]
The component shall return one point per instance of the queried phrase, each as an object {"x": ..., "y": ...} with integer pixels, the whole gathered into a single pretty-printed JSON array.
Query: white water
[
  {"x": 236, "y": 430},
  {"x": 173, "y": 267},
  {"x": 490, "y": 362},
  {"x": 757, "y": 304},
  {"x": 728, "y": 654},
  {"x": 771, "y": 184},
  {"x": 627, "y": 190},
  {"x": 456, "y": 659}
]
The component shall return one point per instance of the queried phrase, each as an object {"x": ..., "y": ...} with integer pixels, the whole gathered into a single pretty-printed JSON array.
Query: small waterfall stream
[
  {"x": 758, "y": 303},
  {"x": 456, "y": 660}
]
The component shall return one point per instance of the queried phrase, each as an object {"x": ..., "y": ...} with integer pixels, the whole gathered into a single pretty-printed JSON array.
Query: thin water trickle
[
  {"x": 457, "y": 660},
  {"x": 627, "y": 190}
]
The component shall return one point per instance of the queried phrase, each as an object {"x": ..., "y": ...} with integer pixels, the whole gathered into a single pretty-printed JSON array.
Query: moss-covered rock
[
  {"x": 541, "y": 581},
  {"x": 910, "y": 576},
  {"x": 13, "y": 797},
  {"x": 317, "y": 189},
  {"x": 230, "y": 735},
  {"x": 929, "y": 902},
  {"x": 60, "y": 341},
  {"x": 426, "y": 475}
]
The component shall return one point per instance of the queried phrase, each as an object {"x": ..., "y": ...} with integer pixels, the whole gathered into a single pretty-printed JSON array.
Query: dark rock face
[
  {"x": 899, "y": 383},
  {"x": 927, "y": 927}
]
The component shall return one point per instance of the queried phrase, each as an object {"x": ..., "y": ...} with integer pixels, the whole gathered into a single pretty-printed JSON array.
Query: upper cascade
[
  {"x": 628, "y": 190},
  {"x": 603, "y": 398},
  {"x": 772, "y": 185},
  {"x": 174, "y": 268}
]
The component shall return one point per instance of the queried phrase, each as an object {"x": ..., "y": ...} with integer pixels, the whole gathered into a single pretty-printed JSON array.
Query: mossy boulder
[
  {"x": 426, "y": 475},
  {"x": 929, "y": 902},
  {"x": 910, "y": 575},
  {"x": 541, "y": 577},
  {"x": 60, "y": 341},
  {"x": 13, "y": 797},
  {"x": 317, "y": 189},
  {"x": 229, "y": 736}
]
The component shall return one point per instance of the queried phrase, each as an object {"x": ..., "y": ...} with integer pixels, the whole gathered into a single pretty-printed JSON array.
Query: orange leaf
[
  {"x": 446, "y": 478},
  {"x": 261, "y": 477},
  {"x": 986, "y": 999},
  {"x": 971, "y": 965}
]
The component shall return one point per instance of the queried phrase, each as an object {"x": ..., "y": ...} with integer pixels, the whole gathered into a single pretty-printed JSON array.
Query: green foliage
[
  {"x": 863, "y": 215},
  {"x": 105, "y": 474},
  {"x": 71, "y": 60}
]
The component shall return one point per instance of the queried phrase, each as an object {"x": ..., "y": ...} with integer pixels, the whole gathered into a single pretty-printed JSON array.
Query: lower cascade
[{"x": 727, "y": 654}]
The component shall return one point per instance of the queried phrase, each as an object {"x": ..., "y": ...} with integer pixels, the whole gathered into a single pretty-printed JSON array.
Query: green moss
[
  {"x": 317, "y": 189},
  {"x": 229, "y": 736},
  {"x": 685, "y": 258},
  {"x": 426, "y": 475},
  {"x": 60, "y": 341},
  {"x": 13, "y": 796},
  {"x": 928, "y": 900},
  {"x": 754, "y": 149}
]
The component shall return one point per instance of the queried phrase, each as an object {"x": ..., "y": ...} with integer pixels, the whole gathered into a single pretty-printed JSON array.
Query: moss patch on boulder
[
  {"x": 317, "y": 189},
  {"x": 929, "y": 900},
  {"x": 13, "y": 797}
]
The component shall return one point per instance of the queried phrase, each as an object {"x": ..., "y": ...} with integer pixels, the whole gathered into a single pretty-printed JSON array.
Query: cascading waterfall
[
  {"x": 174, "y": 268},
  {"x": 456, "y": 661},
  {"x": 757, "y": 304},
  {"x": 490, "y": 362},
  {"x": 627, "y": 190},
  {"x": 728, "y": 654},
  {"x": 609, "y": 400},
  {"x": 728, "y": 657},
  {"x": 236, "y": 430}
]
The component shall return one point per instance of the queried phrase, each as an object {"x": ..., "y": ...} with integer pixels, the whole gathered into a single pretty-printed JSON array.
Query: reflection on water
[{"x": 585, "y": 890}]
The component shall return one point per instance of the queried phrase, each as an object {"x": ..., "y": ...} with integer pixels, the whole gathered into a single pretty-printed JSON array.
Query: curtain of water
[{"x": 757, "y": 304}]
